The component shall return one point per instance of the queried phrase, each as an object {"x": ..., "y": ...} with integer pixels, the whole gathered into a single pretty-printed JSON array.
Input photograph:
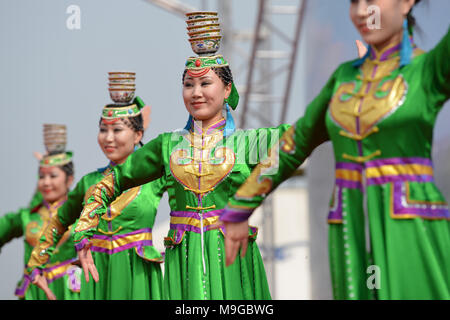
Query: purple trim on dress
[
  {"x": 235, "y": 215},
  {"x": 395, "y": 161},
  {"x": 60, "y": 275},
  {"x": 336, "y": 211},
  {"x": 423, "y": 210},
  {"x": 216, "y": 127},
  {"x": 60, "y": 265},
  {"x": 20, "y": 291},
  {"x": 385, "y": 54},
  {"x": 195, "y": 215},
  {"x": 119, "y": 236},
  {"x": 124, "y": 247},
  {"x": 402, "y": 177},
  {"x": 348, "y": 184},
  {"x": 349, "y": 166},
  {"x": 27, "y": 280},
  {"x": 80, "y": 245}
]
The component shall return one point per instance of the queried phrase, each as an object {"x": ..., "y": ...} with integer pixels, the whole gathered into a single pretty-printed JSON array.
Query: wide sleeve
[
  {"x": 143, "y": 166},
  {"x": 57, "y": 225},
  {"x": 295, "y": 145},
  {"x": 11, "y": 226},
  {"x": 436, "y": 72}
]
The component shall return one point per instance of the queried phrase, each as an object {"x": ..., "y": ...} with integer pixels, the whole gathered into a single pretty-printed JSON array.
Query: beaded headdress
[{"x": 55, "y": 138}]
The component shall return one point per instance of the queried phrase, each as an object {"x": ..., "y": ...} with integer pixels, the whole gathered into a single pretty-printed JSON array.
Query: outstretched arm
[
  {"x": 436, "y": 73},
  {"x": 56, "y": 227},
  {"x": 10, "y": 227},
  {"x": 295, "y": 145},
  {"x": 144, "y": 165}
]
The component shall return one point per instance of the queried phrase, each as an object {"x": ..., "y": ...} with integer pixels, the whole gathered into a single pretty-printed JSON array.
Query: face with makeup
[
  {"x": 117, "y": 140},
  {"x": 53, "y": 183},
  {"x": 392, "y": 15},
  {"x": 204, "y": 96}
]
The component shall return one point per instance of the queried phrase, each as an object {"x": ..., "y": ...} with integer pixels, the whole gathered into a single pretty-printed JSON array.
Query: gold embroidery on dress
[
  {"x": 371, "y": 98},
  {"x": 117, "y": 206},
  {"x": 259, "y": 183},
  {"x": 32, "y": 232},
  {"x": 200, "y": 169},
  {"x": 87, "y": 220},
  {"x": 50, "y": 233},
  {"x": 287, "y": 142}
]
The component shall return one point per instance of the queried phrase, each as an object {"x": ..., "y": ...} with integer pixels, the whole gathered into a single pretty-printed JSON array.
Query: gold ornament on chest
[
  {"x": 359, "y": 105},
  {"x": 201, "y": 166}
]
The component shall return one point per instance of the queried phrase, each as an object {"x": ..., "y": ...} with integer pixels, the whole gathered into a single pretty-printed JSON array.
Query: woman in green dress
[
  {"x": 202, "y": 166},
  {"x": 120, "y": 241},
  {"x": 378, "y": 112},
  {"x": 56, "y": 174}
]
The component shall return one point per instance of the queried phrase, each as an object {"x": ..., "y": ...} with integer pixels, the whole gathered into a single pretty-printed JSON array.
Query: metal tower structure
[{"x": 265, "y": 98}]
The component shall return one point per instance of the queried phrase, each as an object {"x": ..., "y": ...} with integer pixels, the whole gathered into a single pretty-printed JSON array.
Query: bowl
[
  {"x": 122, "y": 85},
  {"x": 205, "y": 45},
  {"x": 201, "y": 15},
  {"x": 121, "y": 74},
  {"x": 207, "y": 27},
  {"x": 206, "y": 33},
  {"x": 121, "y": 95},
  {"x": 122, "y": 80},
  {"x": 202, "y": 22}
]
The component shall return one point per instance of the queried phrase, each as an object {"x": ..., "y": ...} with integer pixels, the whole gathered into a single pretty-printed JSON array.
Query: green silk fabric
[
  {"x": 406, "y": 254},
  {"x": 27, "y": 222},
  {"x": 138, "y": 214},
  {"x": 191, "y": 273}
]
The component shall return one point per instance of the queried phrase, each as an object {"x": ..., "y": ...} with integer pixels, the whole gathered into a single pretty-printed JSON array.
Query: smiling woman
[
  {"x": 117, "y": 248},
  {"x": 201, "y": 167},
  {"x": 386, "y": 212},
  {"x": 55, "y": 177}
]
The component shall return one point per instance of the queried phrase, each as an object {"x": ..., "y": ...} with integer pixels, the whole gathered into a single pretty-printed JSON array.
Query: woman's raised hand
[
  {"x": 41, "y": 282},
  {"x": 87, "y": 263}
]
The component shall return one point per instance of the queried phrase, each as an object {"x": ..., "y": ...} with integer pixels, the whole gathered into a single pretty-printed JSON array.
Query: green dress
[
  {"x": 61, "y": 274},
  {"x": 120, "y": 240},
  {"x": 202, "y": 168},
  {"x": 389, "y": 232}
]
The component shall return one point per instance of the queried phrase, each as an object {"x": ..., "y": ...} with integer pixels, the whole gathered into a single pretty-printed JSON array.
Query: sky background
[{"x": 50, "y": 74}]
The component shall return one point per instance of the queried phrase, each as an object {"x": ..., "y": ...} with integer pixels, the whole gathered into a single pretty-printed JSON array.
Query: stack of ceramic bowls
[
  {"x": 204, "y": 32},
  {"x": 55, "y": 138},
  {"x": 122, "y": 86}
]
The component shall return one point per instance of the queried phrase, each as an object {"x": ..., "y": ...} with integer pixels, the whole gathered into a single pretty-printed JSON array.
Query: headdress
[
  {"x": 204, "y": 33},
  {"x": 121, "y": 90},
  {"x": 55, "y": 138}
]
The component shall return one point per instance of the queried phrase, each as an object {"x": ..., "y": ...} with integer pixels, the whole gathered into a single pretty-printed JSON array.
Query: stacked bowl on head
[
  {"x": 204, "y": 32},
  {"x": 55, "y": 138},
  {"x": 122, "y": 86}
]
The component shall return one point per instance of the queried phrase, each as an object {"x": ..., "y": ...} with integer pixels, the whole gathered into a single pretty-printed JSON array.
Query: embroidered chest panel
[
  {"x": 359, "y": 105},
  {"x": 199, "y": 165},
  {"x": 34, "y": 228}
]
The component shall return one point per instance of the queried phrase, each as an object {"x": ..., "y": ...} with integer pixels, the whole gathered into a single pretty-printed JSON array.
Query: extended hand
[
  {"x": 87, "y": 263},
  {"x": 362, "y": 50},
  {"x": 236, "y": 237},
  {"x": 41, "y": 282}
]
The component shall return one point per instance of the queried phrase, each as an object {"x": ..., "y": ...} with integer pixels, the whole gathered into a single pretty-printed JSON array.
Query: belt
[
  {"x": 381, "y": 171},
  {"x": 120, "y": 242}
]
